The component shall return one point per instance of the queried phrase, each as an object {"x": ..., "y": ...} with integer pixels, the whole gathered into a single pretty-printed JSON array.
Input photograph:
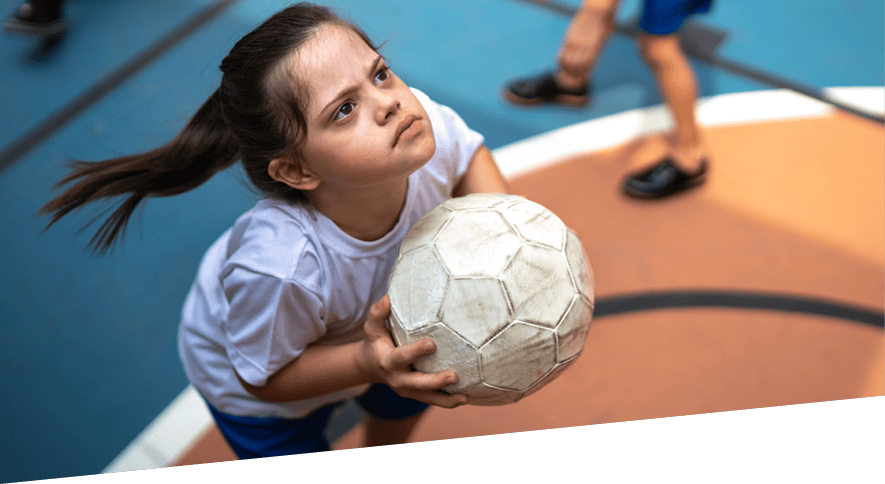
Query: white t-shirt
[{"x": 285, "y": 276}]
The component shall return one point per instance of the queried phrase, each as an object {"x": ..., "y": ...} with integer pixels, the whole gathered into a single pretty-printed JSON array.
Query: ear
[{"x": 287, "y": 171}]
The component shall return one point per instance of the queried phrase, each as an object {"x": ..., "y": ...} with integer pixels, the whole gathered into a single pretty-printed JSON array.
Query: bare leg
[
  {"x": 387, "y": 432},
  {"x": 676, "y": 81},
  {"x": 587, "y": 34}
]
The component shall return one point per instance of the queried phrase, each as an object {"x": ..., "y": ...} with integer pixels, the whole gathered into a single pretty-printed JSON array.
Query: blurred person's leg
[
  {"x": 685, "y": 165},
  {"x": 678, "y": 87},
  {"x": 587, "y": 34}
]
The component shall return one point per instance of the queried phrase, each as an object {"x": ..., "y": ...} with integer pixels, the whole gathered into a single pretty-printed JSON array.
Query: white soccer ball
[{"x": 501, "y": 286}]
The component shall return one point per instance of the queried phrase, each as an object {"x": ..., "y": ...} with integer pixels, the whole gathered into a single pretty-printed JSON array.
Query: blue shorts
[
  {"x": 252, "y": 437},
  {"x": 662, "y": 17}
]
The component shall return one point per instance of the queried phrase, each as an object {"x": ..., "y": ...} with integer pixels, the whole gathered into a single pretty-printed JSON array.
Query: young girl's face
[{"x": 364, "y": 126}]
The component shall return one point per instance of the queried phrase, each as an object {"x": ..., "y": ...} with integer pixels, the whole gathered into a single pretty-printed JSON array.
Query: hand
[{"x": 390, "y": 364}]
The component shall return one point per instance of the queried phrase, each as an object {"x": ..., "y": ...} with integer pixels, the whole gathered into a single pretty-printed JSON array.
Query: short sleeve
[{"x": 270, "y": 322}]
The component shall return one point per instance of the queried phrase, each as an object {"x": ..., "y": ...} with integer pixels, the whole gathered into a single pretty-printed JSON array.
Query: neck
[{"x": 363, "y": 213}]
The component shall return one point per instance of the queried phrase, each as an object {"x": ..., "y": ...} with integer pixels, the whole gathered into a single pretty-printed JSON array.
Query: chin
[
  {"x": 428, "y": 148},
  {"x": 419, "y": 153}
]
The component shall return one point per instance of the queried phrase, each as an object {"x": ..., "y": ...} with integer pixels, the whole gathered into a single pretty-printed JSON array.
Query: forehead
[{"x": 329, "y": 61}]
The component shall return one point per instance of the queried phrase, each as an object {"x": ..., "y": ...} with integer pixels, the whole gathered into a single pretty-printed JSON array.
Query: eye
[
  {"x": 382, "y": 74},
  {"x": 344, "y": 111}
]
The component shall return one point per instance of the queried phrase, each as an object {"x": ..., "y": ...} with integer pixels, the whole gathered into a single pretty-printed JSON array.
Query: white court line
[
  {"x": 186, "y": 419},
  {"x": 172, "y": 433},
  {"x": 546, "y": 149}
]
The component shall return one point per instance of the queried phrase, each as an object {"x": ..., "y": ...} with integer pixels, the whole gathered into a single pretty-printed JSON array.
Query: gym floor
[{"x": 762, "y": 287}]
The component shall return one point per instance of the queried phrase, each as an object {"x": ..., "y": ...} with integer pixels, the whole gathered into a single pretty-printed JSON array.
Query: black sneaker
[
  {"x": 662, "y": 179},
  {"x": 544, "y": 89},
  {"x": 35, "y": 21}
]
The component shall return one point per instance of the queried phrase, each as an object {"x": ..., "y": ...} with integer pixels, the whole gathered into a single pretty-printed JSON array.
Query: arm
[
  {"x": 320, "y": 370},
  {"x": 482, "y": 176}
]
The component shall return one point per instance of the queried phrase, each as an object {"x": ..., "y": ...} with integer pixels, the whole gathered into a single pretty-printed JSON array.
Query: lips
[{"x": 404, "y": 125}]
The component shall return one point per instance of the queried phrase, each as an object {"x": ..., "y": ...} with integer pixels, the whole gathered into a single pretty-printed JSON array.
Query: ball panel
[
  {"x": 572, "y": 331},
  {"x": 485, "y": 395},
  {"x": 582, "y": 273},
  {"x": 518, "y": 357},
  {"x": 425, "y": 229},
  {"x": 483, "y": 235},
  {"x": 536, "y": 223},
  {"x": 539, "y": 285},
  {"x": 418, "y": 287},
  {"x": 476, "y": 309},
  {"x": 561, "y": 367},
  {"x": 395, "y": 325},
  {"x": 456, "y": 354}
]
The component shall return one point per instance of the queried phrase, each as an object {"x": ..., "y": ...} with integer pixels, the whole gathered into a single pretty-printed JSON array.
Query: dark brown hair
[{"x": 252, "y": 117}]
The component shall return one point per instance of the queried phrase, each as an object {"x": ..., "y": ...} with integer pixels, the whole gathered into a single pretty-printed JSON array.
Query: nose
[{"x": 387, "y": 106}]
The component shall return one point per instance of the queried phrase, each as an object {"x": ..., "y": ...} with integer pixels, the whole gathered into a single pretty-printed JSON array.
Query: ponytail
[
  {"x": 256, "y": 116},
  {"x": 204, "y": 147}
]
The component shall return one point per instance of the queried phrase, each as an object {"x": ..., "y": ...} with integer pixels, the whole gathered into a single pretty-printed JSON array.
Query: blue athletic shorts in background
[{"x": 662, "y": 17}]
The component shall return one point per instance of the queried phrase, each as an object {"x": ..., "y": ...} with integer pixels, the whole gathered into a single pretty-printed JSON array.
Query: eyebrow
[{"x": 349, "y": 90}]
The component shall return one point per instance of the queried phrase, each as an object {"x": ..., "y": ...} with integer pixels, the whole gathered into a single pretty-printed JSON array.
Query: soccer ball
[{"x": 501, "y": 286}]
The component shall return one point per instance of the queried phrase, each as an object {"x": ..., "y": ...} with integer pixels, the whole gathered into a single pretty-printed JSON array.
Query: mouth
[{"x": 403, "y": 126}]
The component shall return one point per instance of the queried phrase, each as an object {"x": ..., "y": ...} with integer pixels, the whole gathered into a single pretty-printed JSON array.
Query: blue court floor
[{"x": 88, "y": 345}]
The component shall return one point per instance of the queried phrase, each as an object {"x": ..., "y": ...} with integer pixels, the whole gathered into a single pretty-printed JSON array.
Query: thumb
[{"x": 378, "y": 313}]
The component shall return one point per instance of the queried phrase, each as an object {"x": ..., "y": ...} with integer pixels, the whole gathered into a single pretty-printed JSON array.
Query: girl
[{"x": 277, "y": 328}]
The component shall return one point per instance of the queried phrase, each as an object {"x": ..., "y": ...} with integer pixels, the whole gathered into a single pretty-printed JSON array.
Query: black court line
[
  {"x": 36, "y": 135},
  {"x": 700, "y": 41},
  {"x": 648, "y": 301}
]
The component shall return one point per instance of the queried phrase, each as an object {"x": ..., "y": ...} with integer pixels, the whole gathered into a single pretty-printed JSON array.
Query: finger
[
  {"x": 428, "y": 388},
  {"x": 444, "y": 400},
  {"x": 426, "y": 382},
  {"x": 410, "y": 353},
  {"x": 376, "y": 321},
  {"x": 381, "y": 309},
  {"x": 440, "y": 399}
]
